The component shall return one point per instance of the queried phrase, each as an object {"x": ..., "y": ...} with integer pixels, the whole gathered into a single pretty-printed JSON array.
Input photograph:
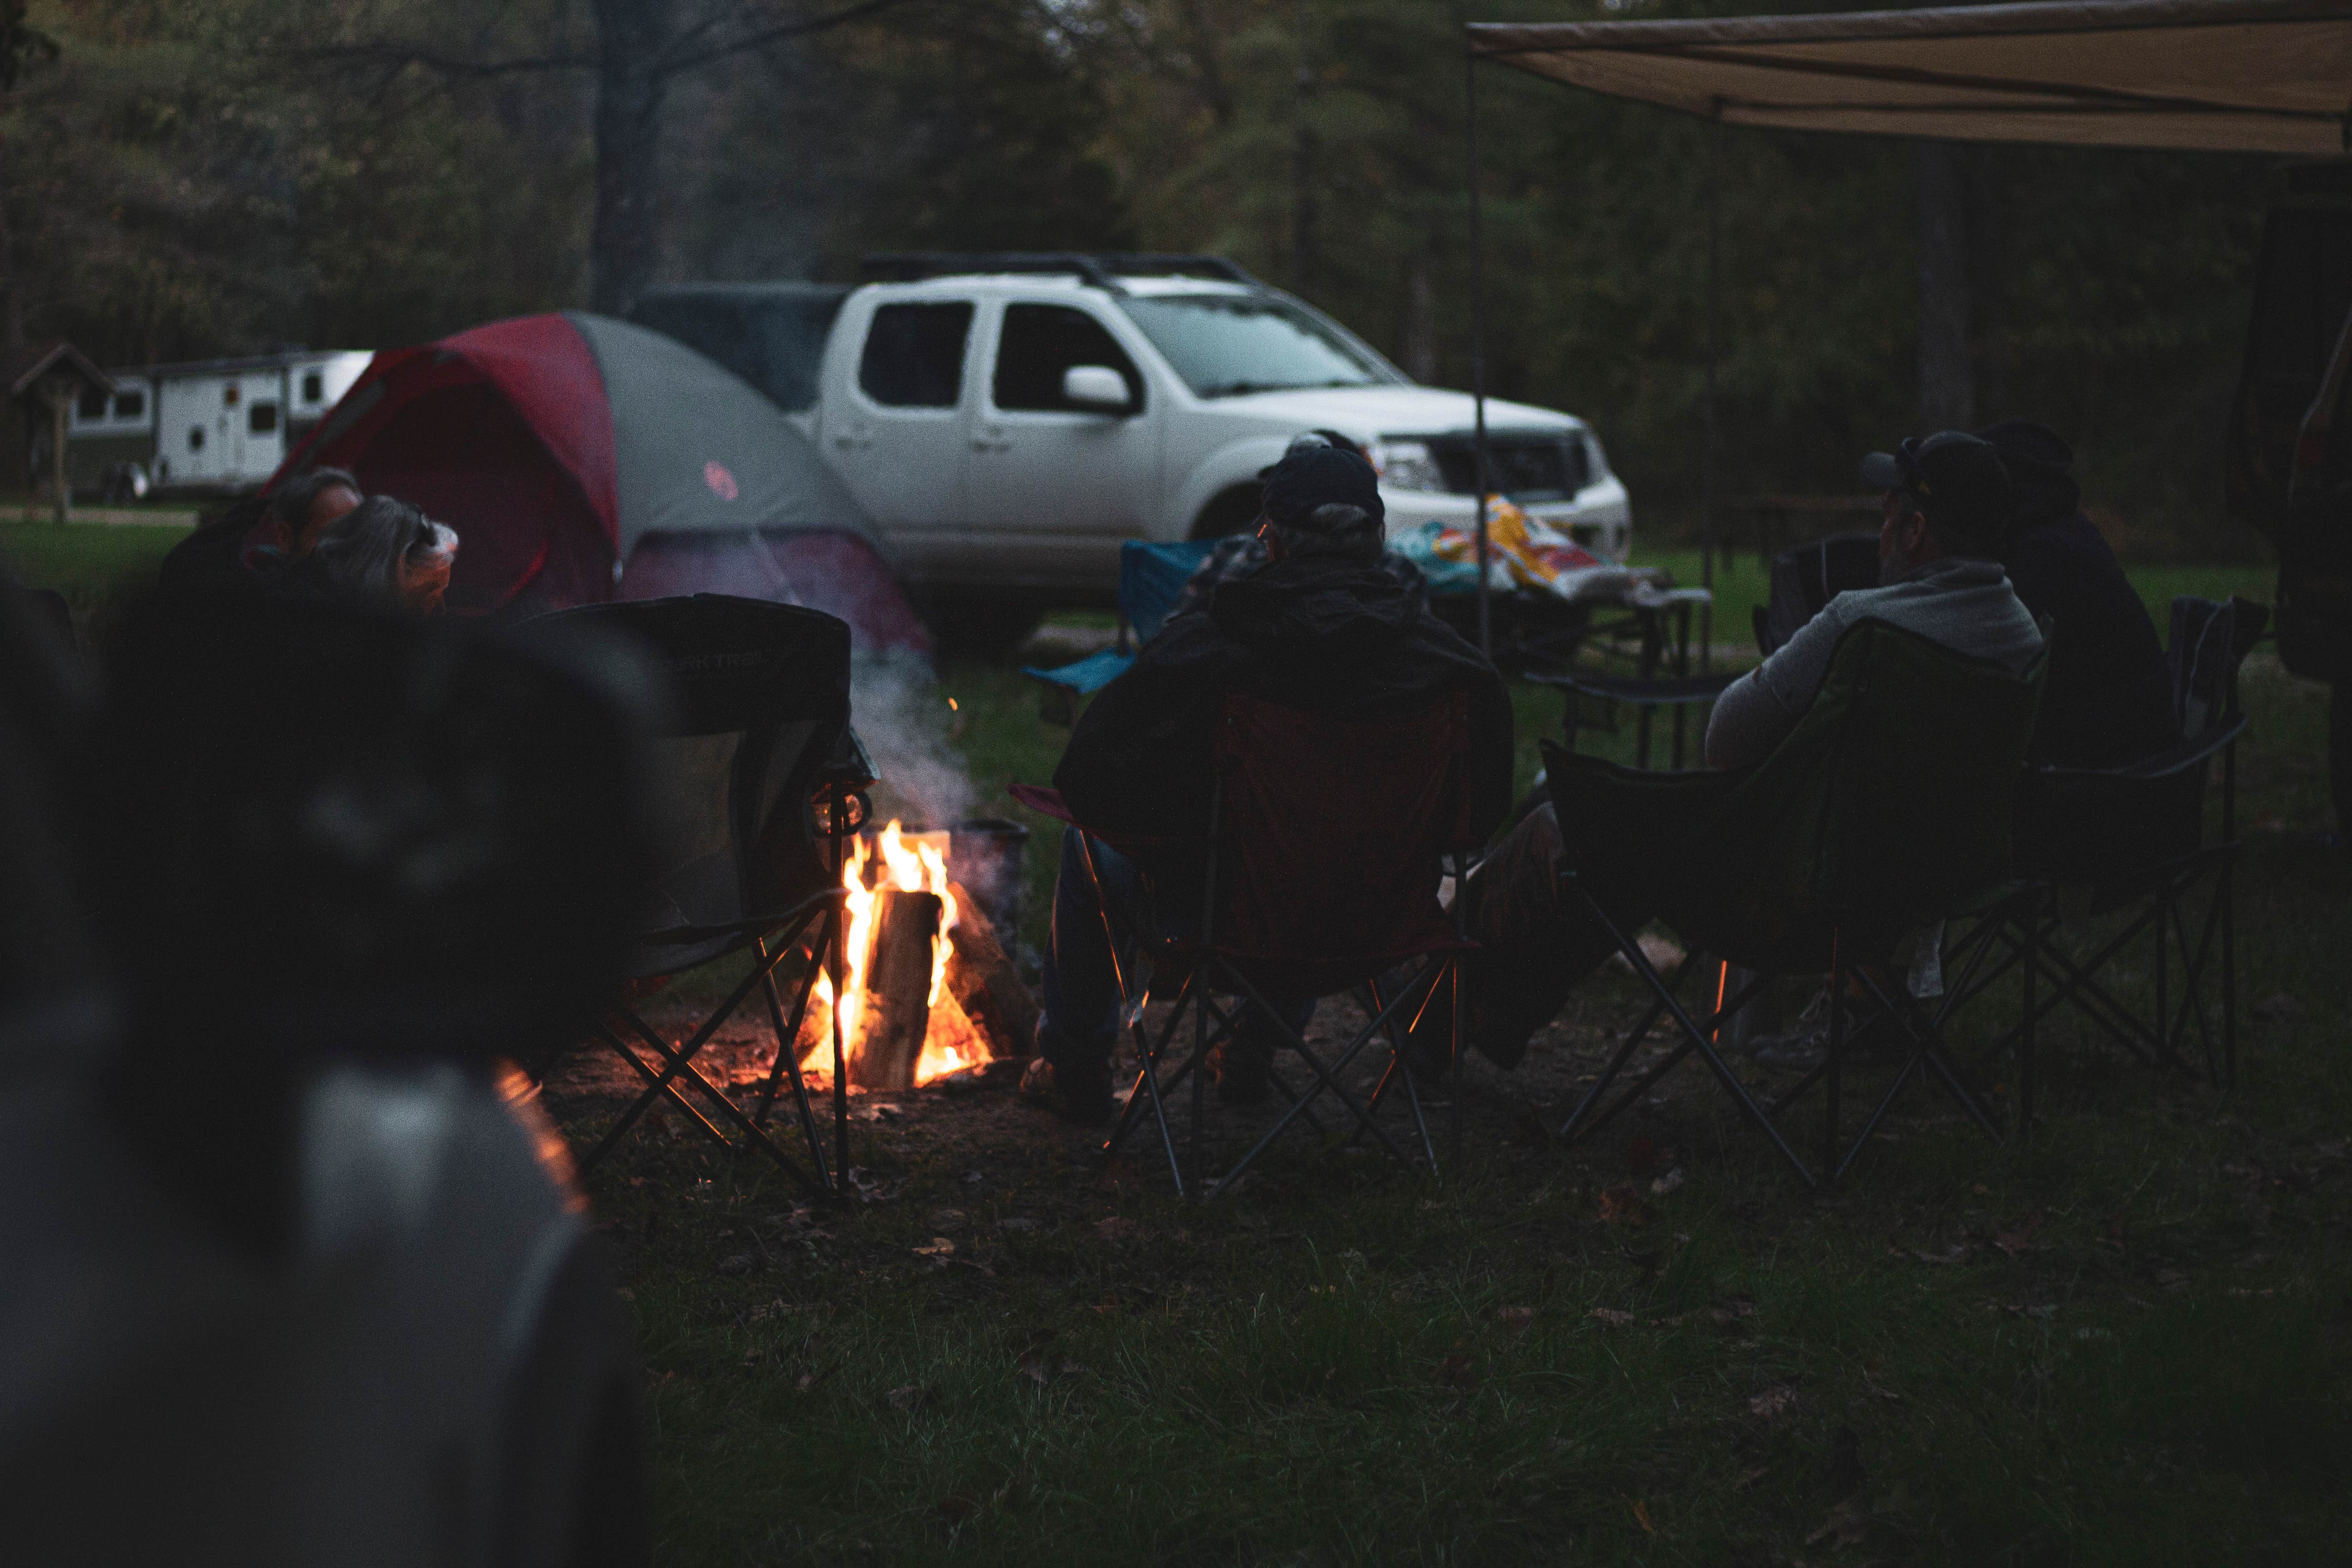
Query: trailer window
[
  {"x": 93, "y": 406},
  {"x": 1042, "y": 342},
  {"x": 129, "y": 406},
  {"x": 195, "y": 437},
  {"x": 261, "y": 419},
  {"x": 914, "y": 355},
  {"x": 314, "y": 388}
]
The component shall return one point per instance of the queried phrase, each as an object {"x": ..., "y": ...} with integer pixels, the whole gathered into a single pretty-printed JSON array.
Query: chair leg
[
  {"x": 788, "y": 1033},
  {"x": 1694, "y": 1037},
  {"x": 2229, "y": 912},
  {"x": 1836, "y": 1062},
  {"x": 2029, "y": 1042}
]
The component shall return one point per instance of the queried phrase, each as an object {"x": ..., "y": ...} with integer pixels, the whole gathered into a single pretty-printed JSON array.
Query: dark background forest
[{"x": 182, "y": 181}]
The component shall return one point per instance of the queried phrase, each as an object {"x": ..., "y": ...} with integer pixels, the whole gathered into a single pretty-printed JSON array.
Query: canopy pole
[
  {"x": 1478, "y": 345},
  {"x": 1707, "y": 455}
]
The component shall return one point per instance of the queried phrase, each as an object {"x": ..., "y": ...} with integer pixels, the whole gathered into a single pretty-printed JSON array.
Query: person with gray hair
[
  {"x": 387, "y": 553},
  {"x": 261, "y": 536}
]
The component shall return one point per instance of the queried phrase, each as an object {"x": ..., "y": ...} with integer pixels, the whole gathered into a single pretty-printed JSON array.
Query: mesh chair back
[
  {"x": 1807, "y": 578},
  {"x": 1330, "y": 833},
  {"x": 760, "y": 705}
]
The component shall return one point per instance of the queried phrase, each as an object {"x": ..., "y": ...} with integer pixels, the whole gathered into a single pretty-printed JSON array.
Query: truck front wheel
[{"x": 1233, "y": 511}]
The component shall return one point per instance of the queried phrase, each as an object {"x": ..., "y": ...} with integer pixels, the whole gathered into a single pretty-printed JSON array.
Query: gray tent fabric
[
  {"x": 698, "y": 451},
  {"x": 2233, "y": 76}
]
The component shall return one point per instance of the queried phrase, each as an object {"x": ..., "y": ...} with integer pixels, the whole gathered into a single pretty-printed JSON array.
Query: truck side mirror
[{"x": 1097, "y": 387}]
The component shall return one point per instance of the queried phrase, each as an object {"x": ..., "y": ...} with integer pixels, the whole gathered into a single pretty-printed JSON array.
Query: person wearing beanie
[
  {"x": 1946, "y": 503},
  {"x": 2109, "y": 697},
  {"x": 1321, "y": 627}
]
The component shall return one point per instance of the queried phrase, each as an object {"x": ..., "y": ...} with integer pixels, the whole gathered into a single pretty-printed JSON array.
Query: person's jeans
[{"x": 1079, "y": 1022}]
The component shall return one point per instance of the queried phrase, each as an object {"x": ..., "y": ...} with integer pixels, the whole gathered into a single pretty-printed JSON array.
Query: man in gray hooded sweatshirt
[{"x": 1947, "y": 500}]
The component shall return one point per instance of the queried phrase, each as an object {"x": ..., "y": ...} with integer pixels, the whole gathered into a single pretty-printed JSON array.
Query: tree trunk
[
  {"x": 1946, "y": 380},
  {"x": 1305, "y": 259},
  {"x": 1421, "y": 318},
  {"x": 624, "y": 244},
  {"x": 12, "y": 297},
  {"x": 898, "y": 1011}
]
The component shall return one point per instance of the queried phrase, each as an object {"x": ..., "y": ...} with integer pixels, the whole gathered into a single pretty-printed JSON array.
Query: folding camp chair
[
  {"x": 2133, "y": 839},
  {"x": 1152, "y": 577},
  {"x": 1326, "y": 839},
  {"x": 760, "y": 762},
  {"x": 1812, "y": 861}
]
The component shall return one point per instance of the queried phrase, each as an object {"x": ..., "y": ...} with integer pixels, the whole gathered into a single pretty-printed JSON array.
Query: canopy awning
[{"x": 2225, "y": 76}]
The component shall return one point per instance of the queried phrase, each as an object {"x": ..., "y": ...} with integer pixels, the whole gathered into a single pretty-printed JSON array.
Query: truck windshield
[{"x": 1225, "y": 345}]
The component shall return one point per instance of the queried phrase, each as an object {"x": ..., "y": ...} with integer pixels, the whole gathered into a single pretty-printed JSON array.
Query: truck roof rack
[{"x": 1101, "y": 268}]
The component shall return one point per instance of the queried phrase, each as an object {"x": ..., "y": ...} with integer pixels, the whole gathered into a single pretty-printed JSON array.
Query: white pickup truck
[{"x": 1009, "y": 420}]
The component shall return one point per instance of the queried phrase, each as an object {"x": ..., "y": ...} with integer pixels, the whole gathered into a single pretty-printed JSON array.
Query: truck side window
[
  {"x": 1039, "y": 344},
  {"x": 914, "y": 355}
]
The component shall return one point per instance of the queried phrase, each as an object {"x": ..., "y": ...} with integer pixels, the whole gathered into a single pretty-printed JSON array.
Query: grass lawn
[
  {"x": 89, "y": 563},
  {"x": 2126, "y": 1338}
]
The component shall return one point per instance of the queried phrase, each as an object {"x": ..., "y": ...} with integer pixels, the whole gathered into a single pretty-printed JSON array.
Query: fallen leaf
[
  {"x": 1457, "y": 1371},
  {"x": 1019, "y": 1224},
  {"x": 940, "y": 1247},
  {"x": 947, "y": 1220},
  {"x": 1774, "y": 1402},
  {"x": 2279, "y": 1007},
  {"x": 914, "y": 1396},
  {"x": 1612, "y": 1317},
  {"x": 1668, "y": 1182},
  {"x": 1515, "y": 1317},
  {"x": 1623, "y": 1205},
  {"x": 973, "y": 1178},
  {"x": 1117, "y": 1227},
  {"x": 1642, "y": 1517},
  {"x": 1957, "y": 1252},
  {"x": 741, "y": 1263}
]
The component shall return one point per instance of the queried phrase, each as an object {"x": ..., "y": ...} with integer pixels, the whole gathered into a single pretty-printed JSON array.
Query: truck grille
[{"x": 1549, "y": 467}]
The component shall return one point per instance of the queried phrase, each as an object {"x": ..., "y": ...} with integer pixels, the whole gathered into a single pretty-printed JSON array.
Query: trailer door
[{"x": 258, "y": 426}]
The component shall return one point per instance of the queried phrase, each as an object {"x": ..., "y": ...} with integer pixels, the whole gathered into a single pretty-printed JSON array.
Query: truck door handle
[{"x": 991, "y": 439}]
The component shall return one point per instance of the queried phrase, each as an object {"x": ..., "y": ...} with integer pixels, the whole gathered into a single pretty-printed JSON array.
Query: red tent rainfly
[{"x": 582, "y": 458}]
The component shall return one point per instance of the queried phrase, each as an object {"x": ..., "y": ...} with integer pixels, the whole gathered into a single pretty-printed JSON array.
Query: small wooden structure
[{"x": 47, "y": 384}]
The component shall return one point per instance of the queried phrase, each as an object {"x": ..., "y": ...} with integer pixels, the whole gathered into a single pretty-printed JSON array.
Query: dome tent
[{"x": 582, "y": 458}]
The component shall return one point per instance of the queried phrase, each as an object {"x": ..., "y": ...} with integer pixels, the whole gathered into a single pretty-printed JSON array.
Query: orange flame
[{"x": 912, "y": 864}]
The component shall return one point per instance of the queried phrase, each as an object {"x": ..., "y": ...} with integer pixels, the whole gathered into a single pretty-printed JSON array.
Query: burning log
[
  {"x": 986, "y": 985},
  {"x": 896, "y": 1013}
]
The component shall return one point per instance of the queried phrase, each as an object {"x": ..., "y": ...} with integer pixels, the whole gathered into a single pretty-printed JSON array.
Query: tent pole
[
  {"x": 1706, "y": 456},
  {"x": 1478, "y": 345}
]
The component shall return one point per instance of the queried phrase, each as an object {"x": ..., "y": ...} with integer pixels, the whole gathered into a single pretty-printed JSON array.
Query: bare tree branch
[
  {"x": 399, "y": 55},
  {"x": 674, "y": 63}
]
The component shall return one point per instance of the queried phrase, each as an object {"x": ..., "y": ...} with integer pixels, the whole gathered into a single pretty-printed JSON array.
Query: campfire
[{"x": 927, "y": 989}]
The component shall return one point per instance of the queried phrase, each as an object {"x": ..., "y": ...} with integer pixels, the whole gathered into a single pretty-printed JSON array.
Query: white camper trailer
[{"x": 213, "y": 424}]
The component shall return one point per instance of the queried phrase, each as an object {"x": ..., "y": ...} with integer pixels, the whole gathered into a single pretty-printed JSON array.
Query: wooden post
[
  {"x": 985, "y": 984},
  {"x": 898, "y": 1011},
  {"x": 59, "y": 391}
]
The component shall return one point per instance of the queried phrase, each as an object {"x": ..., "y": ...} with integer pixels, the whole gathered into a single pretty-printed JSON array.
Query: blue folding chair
[{"x": 1150, "y": 576}]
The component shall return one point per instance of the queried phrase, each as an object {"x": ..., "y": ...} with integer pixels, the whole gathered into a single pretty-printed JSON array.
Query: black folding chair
[
  {"x": 1326, "y": 841},
  {"x": 1813, "y": 862},
  {"x": 2132, "y": 841},
  {"x": 765, "y": 778}
]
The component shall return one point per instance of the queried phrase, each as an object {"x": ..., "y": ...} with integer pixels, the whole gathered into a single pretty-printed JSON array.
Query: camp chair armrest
[
  {"x": 1664, "y": 691},
  {"x": 1049, "y": 802},
  {"x": 683, "y": 936},
  {"x": 2173, "y": 760}
]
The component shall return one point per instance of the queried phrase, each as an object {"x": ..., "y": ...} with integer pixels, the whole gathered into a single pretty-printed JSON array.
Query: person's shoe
[
  {"x": 1240, "y": 1065},
  {"x": 1074, "y": 1096}
]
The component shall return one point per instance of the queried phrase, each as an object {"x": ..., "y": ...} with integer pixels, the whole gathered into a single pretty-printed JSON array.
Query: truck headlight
[{"x": 1407, "y": 466}]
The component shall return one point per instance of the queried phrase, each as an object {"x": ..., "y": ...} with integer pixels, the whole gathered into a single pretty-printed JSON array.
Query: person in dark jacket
[
  {"x": 260, "y": 536},
  {"x": 1319, "y": 627},
  {"x": 2109, "y": 698}
]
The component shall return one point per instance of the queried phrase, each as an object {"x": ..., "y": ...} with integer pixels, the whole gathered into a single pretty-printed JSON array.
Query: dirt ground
[{"x": 978, "y": 1120}]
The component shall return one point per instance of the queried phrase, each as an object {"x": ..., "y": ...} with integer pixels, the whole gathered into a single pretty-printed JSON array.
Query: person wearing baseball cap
[
  {"x": 1944, "y": 512},
  {"x": 1321, "y": 627}
]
